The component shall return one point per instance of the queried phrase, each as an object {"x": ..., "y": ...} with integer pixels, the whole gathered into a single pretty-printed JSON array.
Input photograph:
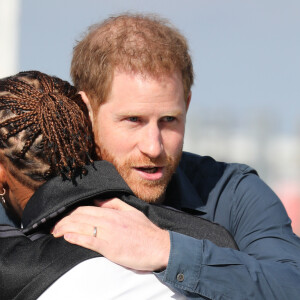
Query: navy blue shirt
[{"x": 268, "y": 263}]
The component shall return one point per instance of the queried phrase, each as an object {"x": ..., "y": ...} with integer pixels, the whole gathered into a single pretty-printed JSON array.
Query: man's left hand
[{"x": 124, "y": 234}]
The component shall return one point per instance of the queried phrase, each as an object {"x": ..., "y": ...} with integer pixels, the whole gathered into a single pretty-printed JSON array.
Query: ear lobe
[{"x": 87, "y": 102}]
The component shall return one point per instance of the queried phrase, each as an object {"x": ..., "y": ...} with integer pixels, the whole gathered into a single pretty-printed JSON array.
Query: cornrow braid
[{"x": 44, "y": 128}]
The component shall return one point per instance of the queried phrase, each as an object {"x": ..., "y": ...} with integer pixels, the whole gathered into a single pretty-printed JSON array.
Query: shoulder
[
  {"x": 234, "y": 195},
  {"x": 222, "y": 186},
  {"x": 205, "y": 167},
  {"x": 211, "y": 179}
]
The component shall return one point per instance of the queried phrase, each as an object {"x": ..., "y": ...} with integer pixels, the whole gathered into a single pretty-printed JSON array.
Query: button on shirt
[
  {"x": 180, "y": 277},
  {"x": 268, "y": 263}
]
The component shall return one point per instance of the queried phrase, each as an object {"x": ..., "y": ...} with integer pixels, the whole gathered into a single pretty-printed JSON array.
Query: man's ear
[
  {"x": 188, "y": 101},
  {"x": 88, "y": 105}
]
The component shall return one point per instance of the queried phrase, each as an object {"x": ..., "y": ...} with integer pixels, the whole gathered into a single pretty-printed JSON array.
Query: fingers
[
  {"x": 82, "y": 221},
  {"x": 85, "y": 241},
  {"x": 72, "y": 227},
  {"x": 124, "y": 234}
]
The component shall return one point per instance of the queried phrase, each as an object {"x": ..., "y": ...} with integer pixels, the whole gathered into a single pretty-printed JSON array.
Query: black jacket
[{"x": 32, "y": 259}]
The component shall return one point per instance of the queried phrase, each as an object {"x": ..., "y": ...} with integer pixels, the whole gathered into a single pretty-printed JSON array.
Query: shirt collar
[{"x": 181, "y": 194}]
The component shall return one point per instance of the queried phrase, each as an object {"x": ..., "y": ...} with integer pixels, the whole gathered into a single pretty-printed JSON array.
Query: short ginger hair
[
  {"x": 44, "y": 128},
  {"x": 135, "y": 43}
]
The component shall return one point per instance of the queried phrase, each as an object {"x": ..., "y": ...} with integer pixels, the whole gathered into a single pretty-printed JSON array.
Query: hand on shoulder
[{"x": 124, "y": 235}]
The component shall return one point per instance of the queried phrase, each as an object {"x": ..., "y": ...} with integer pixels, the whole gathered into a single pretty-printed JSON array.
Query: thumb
[{"x": 114, "y": 203}]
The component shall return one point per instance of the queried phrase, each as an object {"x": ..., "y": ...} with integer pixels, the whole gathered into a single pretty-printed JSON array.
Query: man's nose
[{"x": 150, "y": 142}]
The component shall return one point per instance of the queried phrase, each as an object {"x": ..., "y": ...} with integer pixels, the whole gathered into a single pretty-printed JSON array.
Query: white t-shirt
[{"x": 99, "y": 278}]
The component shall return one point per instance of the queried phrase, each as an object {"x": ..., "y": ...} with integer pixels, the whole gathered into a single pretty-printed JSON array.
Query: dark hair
[
  {"x": 136, "y": 43},
  {"x": 44, "y": 128}
]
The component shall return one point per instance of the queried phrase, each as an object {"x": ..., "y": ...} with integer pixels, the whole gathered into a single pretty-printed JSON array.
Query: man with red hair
[{"x": 134, "y": 73}]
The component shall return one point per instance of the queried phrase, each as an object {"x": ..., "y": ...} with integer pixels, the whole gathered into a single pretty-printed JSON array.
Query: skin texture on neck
[{"x": 17, "y": 194}]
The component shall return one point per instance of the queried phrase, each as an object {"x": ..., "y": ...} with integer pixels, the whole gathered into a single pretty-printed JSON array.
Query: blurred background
[{"x": 246, "y": 98}]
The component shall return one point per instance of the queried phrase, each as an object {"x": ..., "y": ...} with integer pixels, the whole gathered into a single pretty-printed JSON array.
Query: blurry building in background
[
  {"x": 257, "y": 141},
  {"x": 9, "y": 33}
]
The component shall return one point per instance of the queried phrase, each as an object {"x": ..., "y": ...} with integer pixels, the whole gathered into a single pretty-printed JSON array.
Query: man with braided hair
[
  {"x": 44, "y": 131},
  {"x": 134, "y": 73},
  {"x": 46, "y": 148},
  {"x": 39, "y": 112}
]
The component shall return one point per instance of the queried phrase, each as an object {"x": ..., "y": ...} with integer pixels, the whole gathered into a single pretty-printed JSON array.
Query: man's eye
[
  {"x": 133, "y": 119},
  {"x": 169, "y": 119}
]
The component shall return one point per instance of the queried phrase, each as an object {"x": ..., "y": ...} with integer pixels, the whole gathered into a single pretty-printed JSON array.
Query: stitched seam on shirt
[
  {"x": 243, "y": 170},
  {"x": 200, "y": 257},
  {"x": 234, "y": 205}
]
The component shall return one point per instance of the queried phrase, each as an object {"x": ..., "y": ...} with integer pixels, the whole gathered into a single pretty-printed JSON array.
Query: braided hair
[{"x": 44, "y": 128}]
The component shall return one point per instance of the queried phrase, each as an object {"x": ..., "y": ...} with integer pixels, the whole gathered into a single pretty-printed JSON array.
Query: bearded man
[{"x": 135, "y": 75}]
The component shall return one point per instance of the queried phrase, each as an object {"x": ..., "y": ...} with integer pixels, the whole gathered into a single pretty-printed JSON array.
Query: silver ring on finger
[{"x": 95, "y": 231}]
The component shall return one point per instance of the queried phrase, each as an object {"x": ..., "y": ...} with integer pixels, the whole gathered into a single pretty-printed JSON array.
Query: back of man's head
[
  {"x": 44, "y": 128},
  {"x": 141, "y": 44}
]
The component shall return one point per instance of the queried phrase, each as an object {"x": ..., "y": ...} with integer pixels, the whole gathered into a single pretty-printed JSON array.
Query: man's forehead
[
  {"x": 128, "y": 77},
  {"x": 140, "y": 90},
  {"x": 147, "y": 74}
]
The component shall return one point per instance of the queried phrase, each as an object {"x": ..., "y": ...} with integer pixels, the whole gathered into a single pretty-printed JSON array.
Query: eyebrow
[{"x": 138, "y": 113}]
